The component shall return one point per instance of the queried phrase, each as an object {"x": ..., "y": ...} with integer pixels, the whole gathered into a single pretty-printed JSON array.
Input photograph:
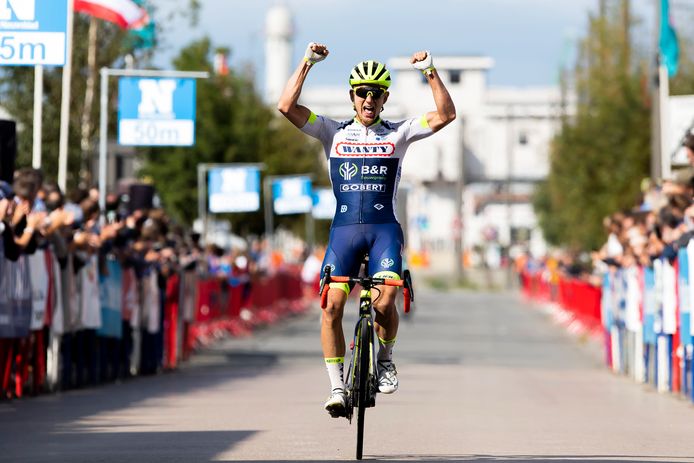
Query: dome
[{"x": 278, "y": 21}]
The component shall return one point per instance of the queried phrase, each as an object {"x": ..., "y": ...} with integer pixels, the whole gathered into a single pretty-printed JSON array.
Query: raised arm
[
  {"x": 288, "y": 104},
  {"x": 445, "y": 109}
]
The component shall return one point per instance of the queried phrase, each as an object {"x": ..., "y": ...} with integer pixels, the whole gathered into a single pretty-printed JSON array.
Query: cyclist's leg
[
  {"x": 342, "y": 260},
  {"x": 385, "y": 260}
]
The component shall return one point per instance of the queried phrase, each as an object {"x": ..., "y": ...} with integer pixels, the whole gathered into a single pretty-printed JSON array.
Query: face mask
[{"x": 52, "y": 205}]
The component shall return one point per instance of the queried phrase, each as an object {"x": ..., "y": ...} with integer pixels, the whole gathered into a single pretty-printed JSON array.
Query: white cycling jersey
[{"x": 365, "y": 164}]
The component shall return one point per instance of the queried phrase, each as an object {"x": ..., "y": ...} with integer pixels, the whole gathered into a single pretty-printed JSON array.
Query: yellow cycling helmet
[{"x": 370, "y": 73}]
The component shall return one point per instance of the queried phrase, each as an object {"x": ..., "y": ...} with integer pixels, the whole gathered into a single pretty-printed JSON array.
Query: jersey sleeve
[
  {"x": 417, "y": 128},
  {"x": 322, "y": 128}
]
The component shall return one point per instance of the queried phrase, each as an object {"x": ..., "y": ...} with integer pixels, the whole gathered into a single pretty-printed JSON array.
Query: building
[{"x": 486, "y": 162}]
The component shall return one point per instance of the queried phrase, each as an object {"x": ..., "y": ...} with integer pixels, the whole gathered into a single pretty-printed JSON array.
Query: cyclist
[{"x": 364, "y": 156}]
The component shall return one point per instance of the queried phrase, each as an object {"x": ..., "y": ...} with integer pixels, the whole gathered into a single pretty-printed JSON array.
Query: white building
[{"x": 499, "y": 144}]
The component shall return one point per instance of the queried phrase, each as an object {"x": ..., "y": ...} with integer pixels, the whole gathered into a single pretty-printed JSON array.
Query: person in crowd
[{"x": 688, "y": 144}]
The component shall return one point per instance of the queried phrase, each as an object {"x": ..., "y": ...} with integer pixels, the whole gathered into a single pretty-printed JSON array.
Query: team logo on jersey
[
  {"x": 378, "y": 206},
  {"x": 356, "y": 187},
  {"x": 343, "y": 208},
  {"x": 387, "y": 263},
  {"x": 367, "y": 150},
  {"x": 348, "y": 170},
  {"x": 374, "y": 170}
]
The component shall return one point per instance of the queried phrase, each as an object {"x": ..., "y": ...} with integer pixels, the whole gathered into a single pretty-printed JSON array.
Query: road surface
[{"x": 483, "y": 378}]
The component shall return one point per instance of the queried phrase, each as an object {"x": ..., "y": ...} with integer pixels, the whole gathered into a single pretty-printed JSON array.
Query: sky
[{"x": 528, "y": 39}]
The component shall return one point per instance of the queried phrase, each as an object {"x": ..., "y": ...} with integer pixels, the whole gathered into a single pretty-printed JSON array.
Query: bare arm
[
  {"x": 288, "y": 104},
  {"x": 445, "y": 109}
]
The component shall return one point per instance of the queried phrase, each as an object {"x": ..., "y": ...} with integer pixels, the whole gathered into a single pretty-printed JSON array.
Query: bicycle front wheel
[{"x": 363, "y": 350}]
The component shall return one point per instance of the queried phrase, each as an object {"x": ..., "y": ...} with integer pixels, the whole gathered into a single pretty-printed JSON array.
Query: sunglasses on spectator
[{"x": 363, "y": 92}]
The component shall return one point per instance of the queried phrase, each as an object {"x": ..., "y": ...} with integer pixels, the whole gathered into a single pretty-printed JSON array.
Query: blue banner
[
  {"x": 110, "y": 296},
  {"x": 156, "y": 111},
  {"x": 233, "y": 189},
  {"x": 292, "y": 195},
  {"x": 33, "y": 32},
  {"x": 15, "y": 297}
]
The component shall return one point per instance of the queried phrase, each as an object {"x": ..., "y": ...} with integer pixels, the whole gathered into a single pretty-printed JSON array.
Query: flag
[
  {"x": 143, "y": 35},
  {"x": 669, "y": 48},
  {"x": 125, "y": 13}
]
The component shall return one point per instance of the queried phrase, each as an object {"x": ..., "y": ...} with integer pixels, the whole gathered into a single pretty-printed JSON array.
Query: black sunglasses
[{"x": 363, "y": 92}]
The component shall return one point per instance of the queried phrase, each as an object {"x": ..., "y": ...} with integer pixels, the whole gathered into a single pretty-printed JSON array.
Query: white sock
[
  {"x": 385, "y": 350},
  {"x": 335, "y": 367}
]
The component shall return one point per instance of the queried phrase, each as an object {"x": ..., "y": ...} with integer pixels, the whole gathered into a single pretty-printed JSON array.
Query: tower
[{"x": 279, "y": 34}]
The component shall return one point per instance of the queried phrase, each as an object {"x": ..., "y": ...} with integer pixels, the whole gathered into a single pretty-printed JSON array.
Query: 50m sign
[
  {"x": 156, "y": 111},
  {"x": 33, "y": 32}
]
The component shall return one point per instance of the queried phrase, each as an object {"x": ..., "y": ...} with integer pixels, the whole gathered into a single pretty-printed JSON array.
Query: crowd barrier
[
  {"x": 84, "y": 321},
  {"x": 579, "y": 302},
  {"x": 641, "y": 313}
]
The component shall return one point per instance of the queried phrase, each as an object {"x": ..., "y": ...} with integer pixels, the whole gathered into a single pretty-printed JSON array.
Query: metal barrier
[
  {"x": 643, "y": 315},
  {"x": 81, "y": 323}
]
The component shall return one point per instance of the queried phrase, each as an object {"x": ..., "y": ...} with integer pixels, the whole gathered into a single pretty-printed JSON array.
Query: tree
[
  {"x": 600, "y": 155},
  {"x": 233, "y": 126}
]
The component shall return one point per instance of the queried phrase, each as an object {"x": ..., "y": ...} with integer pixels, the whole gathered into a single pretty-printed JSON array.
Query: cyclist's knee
[
  {"x": 335, "y": 307},
  {"x": 385, "y": 302}
]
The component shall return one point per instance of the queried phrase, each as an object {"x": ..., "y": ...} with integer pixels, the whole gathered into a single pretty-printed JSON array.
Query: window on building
[
  {"x": 455, "y": 76},
  {"x": 523, "y": 138}
]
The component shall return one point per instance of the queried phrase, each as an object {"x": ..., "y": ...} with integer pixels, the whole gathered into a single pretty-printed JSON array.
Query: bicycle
[{"x": 362, "y": 378}]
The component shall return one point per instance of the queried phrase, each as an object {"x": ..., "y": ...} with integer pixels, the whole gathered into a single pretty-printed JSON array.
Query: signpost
[
  {"x": 33, "y": 32},
  {"x": 156, "y": 111},
  {"x": 159, "y": 98},
  {"x": 227, "y": 188},
  {"x": 289, "y": 194},
  {"x": 233, "y": 189},
  {"x": 292, "y": 194}
]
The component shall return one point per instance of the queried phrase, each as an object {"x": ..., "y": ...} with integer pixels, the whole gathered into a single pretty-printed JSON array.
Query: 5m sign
[
  {"x": 156, "y": 111},
  {"x": 33, "y": 32}
]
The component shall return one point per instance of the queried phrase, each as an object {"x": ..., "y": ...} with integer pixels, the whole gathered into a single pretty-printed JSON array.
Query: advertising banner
[
  {"x": 156, "y": 111},
  {"x": 33, "y": 32},
  {"x": 292, "y": 195},
  {"x": 233, "y": 189},
  {"x": 110, "y": 296}
]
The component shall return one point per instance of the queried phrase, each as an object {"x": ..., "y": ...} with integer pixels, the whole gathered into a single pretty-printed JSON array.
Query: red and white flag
[{"x": 126, "y": 13}]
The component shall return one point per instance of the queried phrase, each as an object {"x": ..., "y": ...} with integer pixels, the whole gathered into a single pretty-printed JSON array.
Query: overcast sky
[{"x": 528, "y": 39}]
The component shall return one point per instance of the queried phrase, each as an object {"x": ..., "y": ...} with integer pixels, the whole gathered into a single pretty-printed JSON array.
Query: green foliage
[
  {"x": 233, "y": 126},
  {"x": 602, "y": 152}
]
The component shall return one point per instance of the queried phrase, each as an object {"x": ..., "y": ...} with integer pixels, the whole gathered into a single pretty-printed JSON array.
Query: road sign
[
  {"x": 156, "y": 111},
  {"x": 33, "y": 32},
  {"x": 324, "y": 203},
  {"x": 234, "y": 189},
  {"x": 292, "y": 195}
]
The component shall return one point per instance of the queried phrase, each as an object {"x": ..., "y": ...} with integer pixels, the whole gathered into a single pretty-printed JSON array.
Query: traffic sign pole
[
  {"x": 38, "y": 116},
  {"x": 65, "y": 101},
  {"x": 103, "y": 128}
]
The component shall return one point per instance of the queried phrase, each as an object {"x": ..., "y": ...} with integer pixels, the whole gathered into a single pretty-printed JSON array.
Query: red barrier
[
  {"x": 223, "y": 309},
  {"x": 171, "y": 321},
  {"x": 580, "y": 300}
]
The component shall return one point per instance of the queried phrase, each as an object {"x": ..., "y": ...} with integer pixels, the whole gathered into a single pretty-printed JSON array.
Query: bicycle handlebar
[{"x": 367, "y": 282}]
